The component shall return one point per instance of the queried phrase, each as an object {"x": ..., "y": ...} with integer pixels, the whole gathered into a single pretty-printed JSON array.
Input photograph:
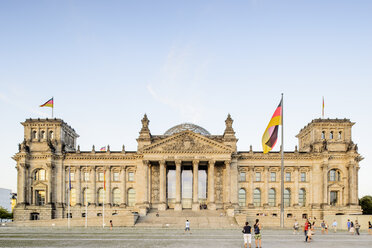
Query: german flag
[
  {"x": 270, "y": 135},
  {"x": 48, "y": 103}
]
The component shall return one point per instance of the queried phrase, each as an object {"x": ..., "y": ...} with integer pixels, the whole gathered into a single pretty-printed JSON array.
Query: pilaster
[
  {"x": 178, "y": 204},
  {"x": 195, "y": 191},
  {"x": 211, "y": 198}
]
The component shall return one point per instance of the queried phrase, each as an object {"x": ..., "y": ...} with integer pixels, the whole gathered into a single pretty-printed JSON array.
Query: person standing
[
  {"x": 295, "y": 227},
  {"x": 247, "y": 235},
  {"x": 334, "y": 225},
  {"x": 326, "y": 228},
  {"x": 323, "y": 225},
  {"x": 348, "y": 225},
  {"x": 357, "y": 227},
  {"x": 111, "y": 225},
  {"x": 310, "y": 231},
  {"x": 257, "y": 233},
  {"x": 187, "y": 226},
  {"x": 369, "y": 228}
]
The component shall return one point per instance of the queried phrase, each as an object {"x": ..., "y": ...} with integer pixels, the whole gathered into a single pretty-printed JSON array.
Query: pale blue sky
[{"x": 108, "y": 62}]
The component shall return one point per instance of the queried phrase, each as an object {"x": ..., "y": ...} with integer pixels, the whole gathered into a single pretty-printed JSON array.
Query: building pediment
[{"x": 187, "y": 142}]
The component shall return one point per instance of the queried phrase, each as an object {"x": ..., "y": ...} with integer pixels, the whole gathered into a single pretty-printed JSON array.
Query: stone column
[
  {"x": 94, "y": 185},
  {"x": 28, "y": 193},
  {"x": 162, "y": 187},
  {"x": 251, "y": 188},
  {"x": 78, "y": 186},
  {"x": 325, "y": 183},
  {"x": 21, "y": 183},
  {"x": 234, "y": 183},
  {"x": 296, "y": 187},
  {"x": 195, "y": 188},
  {"x": 149, "y": 188},
  {"x": 50, "y": 190},
  {"x": 178, "y": 205},
  {"x": 108, "y": 192},
  {"x": 123, "y": 188},
  {"x": 265, "y": 188},
  {"x": 145, "y": 181},
  {"x": 211, "y": 201},
  {"x": 227, "y": 202}
]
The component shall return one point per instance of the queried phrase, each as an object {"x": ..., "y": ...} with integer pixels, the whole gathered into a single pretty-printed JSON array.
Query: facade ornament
[
  {"x": 324, "y": 146},
  {"x": 108, "y": 148},
  {"x": 123, "y": 149},
  {"x": 78, "y": 149},
  {"x": 93, "y": 149},
  {"x": 296, "y": 149},
  {"x": 250, "y": 149},
  {"x": 229, "y": 131},
  {"x": 50, "y": 145}
]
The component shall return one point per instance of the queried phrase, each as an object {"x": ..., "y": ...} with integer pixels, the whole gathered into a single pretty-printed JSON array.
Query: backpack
[{"x": 256, "y": 229}]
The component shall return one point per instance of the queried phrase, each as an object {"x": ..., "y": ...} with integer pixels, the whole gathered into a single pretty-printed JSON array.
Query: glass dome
[{"x": 186, "y": 126}]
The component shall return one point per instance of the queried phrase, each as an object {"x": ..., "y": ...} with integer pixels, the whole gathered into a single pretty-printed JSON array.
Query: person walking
[
  {"x": 369, "y": 228},
  {"x": 306, "y": 230},
  {"x": 351, "y": 230},
  {"x": 247, "y": 235},
  {"x": 257, "y": 233},
  {"x": 111, "y": 226},
  {"x": 326, "y": 228},
  {"x": 323, "y": 226},
  {"x": 348, "y": 225},
  {"x": 187, "y": 226},
  {"x": 357, "y": 227},
  {"x": 334, "y": 225},
  {"x": 310, "y": 232},
  {"x": 295, "y": 227}
]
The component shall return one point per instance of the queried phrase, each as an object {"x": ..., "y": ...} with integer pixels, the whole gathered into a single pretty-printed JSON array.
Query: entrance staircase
[{"x": 211, "y": 219}]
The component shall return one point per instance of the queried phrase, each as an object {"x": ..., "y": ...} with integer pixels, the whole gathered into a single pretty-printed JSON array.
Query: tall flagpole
[
  {"x": 52, "y": 106},
  {"x": 282, "y": 172},
  {"x": 104, "y": 196},
  {"x": 323, "y": 108}
]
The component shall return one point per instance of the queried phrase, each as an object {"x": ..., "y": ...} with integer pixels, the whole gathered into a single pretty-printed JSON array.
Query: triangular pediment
[{"x": 187, "y": 142}]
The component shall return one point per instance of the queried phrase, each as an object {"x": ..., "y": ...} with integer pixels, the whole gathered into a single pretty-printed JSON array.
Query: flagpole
[
  {"x": 323, "y": 108},
  {"x": 103, "y": 207},
  {"x": 282, "y": 172},
  {"x": 52, "y": 107}
]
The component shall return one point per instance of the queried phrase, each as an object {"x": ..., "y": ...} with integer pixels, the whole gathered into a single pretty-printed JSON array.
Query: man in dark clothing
[{"x": 247, "y": 235}]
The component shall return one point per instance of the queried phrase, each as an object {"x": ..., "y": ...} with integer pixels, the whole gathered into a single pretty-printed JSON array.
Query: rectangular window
[
  {"x": 100, "y": 176},
  {"x": 334, "y": 198},
  {"x": 242, "y": 176},
  {"x": 86, "y": 176},
  {"x": 303, "y": 176},
  {"x": 42, "y": 175},
  {"x": 116, "y": 176},
  {"x": 40, "y": 197},
  {"x": 72, "y": 176},
  {"x": 130, "y": 176},
  {"x": 258, "y": 176},
  {"x": 273, "y": 176},
  {"x": 287, "y": 176}
]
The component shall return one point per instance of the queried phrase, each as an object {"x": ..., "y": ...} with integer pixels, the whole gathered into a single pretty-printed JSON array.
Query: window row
[
  {"x": 101, "y": 176},
  {"x": 43, "y": 135},
  {"x": 331, "y": 135},
  {"x": 272, "y": 196},
  {"x": 273, "y": 177},
  {"x": 87, "y": 196}
]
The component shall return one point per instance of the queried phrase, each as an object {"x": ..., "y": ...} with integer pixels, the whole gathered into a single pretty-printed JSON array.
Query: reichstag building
[{"x": 185, "y": 168}]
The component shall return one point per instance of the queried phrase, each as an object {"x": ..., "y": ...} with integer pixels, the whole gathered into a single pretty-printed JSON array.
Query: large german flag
[{"x": 270, "y": 135}]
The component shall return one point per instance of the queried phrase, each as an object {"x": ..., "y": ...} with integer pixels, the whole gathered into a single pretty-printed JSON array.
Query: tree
[
  {"x": 4, "y": 214},
  {"x": 366, "y": 203}
]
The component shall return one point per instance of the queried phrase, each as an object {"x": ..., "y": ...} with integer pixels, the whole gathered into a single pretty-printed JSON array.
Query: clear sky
[{"x": 108, "y": 62}]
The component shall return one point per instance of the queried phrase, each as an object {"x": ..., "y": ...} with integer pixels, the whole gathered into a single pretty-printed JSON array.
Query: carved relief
[
  {"x": 218, "y": 171},
  {"x": 155, "y": 179}
]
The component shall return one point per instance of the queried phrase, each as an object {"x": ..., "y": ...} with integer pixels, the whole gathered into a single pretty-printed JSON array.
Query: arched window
[
  {"x": 39, "y": 175},
  {"x": 272, "y": 197},
  {"x": 340, "y": 135},
  {"x": 334, "y": 175},
  {"x": 331, "y": 135},
  {"x": 51, "y": 135},
  {"x": 43, "y": 134},
  {"x": 302, "y": 197},
  {"x": 323, "y": 135},
  {"x": 257, "y": 197},
  {"x": 131, "y": 197},
  {"x": 100, "y": 196},
  {"x": 287, "y": 197},
  {"x": 34, "y": 134},
  {"x": 86, "y": 196},
  {"x": 116, "y": 196},
  {"x": 73, "y": 197},
  {"x": 242, "y": 198}
]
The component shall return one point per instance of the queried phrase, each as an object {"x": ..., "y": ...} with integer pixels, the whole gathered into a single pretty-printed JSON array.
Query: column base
[
  {"x": 211, "y": 206},
  {"x": 195, "y": 206},
  {"x": 230, "y": 212},
  {"x": 142, "y": 211},
  {"x": 162, "y": 206},
  {"x": 123, "y": 205},
  {"x": 178, "y": 206}
]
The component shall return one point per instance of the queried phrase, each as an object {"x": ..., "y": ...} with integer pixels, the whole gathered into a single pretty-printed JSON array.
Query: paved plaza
[{"x": 130, "y": 237}]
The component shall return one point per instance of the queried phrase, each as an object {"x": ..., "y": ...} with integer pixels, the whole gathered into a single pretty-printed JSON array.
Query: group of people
[{"x": 247, "y": 234}]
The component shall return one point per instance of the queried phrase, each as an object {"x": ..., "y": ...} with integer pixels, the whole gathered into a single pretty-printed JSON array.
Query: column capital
[
  {"x": 50, "y": 165},
  {"x": 178, "y": 162},
  {"x": 195, "y": 162},
  {"x": 227, "y": 162},
  {"x": 146, "y": 162},
  {"x": 211, "y": 162},
  {"x": 162, "y": 162}
]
